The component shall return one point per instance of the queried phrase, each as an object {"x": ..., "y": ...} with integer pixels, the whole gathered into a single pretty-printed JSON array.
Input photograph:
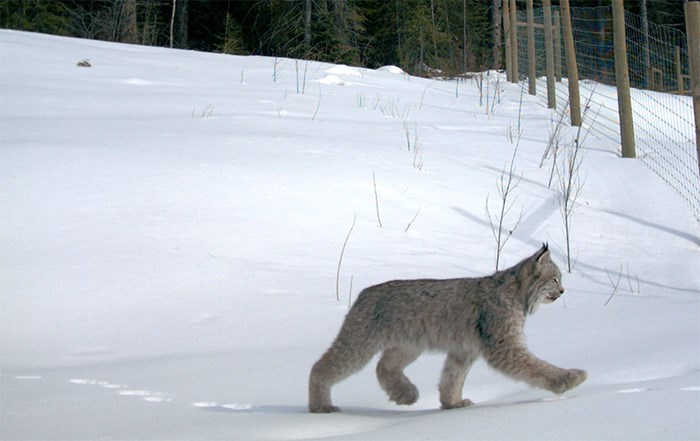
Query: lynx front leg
[
  {"x": 452, "y": 381},
  {"x": 517, "y": 362},
  {"x": 391, "y": 377},
  {"x": 569, "y": 379}
]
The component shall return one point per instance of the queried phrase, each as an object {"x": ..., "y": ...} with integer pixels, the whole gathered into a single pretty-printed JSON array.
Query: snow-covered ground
[{"x": 171, "y": 224}]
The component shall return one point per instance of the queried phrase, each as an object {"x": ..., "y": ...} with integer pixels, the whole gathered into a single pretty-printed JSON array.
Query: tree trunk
[
  {"x": 307, "y": 26},
  {"x": 172, "y": 24},
  {"x": 130, "y": 30},
  {"x": 398, "y": 27},
  {"x": 181, "y": 24},
  {"x": 496, "y": 25},
  {"x": 464, "y": 36}
]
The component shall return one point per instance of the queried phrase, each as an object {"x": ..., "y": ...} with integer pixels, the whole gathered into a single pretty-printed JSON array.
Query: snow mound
[
  {"x": 332, "y": 80},
  {"x": 391, "y": 69},
  {"x": 345, "y": 71}
]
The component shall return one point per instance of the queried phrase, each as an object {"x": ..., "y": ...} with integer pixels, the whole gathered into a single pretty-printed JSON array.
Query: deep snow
[{"x": 171, "y": 224}]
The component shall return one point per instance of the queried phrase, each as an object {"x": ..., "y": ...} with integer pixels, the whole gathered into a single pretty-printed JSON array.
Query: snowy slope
[{"x": 171, "y": 223}]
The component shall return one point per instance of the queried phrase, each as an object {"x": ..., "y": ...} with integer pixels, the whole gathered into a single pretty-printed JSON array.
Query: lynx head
[{"x": 545, "y": 280}]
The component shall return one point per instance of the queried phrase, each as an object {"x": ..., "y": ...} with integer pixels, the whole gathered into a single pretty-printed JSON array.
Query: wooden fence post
[
  {"x": 549, "y": 55},
  {"x": 648, "y": 77},
  {"x": 571, "y": 66},
  {"x": 531, "y": 58},
  {"x": 679, "y": 70},
  {"x": 557, "y": 46},
  {"x": 622, "y": 79},
  {"x": 506, "y": 35},
  {"x": 692, "y": 27}
]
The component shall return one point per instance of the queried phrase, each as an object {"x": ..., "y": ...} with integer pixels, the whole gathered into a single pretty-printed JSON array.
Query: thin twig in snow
[
  {"x": 412, "y": 220},
  {"x": 340, "y": 260},
  {"x": 615, "y": 285},
  {"x": 376, "y": 200}
]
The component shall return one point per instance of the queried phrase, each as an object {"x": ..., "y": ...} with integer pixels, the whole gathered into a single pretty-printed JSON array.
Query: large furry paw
[
  {"x": 323, "y": 409},
  {"x": 568, "y": 380},
  {"x": 458, "y": 405},
  {"x": 405, "y": 395}
]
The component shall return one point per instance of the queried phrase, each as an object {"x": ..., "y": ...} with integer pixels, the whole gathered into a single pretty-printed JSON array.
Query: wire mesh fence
[{"x": 658, "y": 69}]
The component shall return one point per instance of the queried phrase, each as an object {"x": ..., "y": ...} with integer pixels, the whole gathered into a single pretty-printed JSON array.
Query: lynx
[{"x": 466, "y": 318}]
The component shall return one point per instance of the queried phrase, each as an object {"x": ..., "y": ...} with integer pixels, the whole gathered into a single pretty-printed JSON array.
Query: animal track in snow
[
  {"x": 644, "y": 389},
  {"x": 632, "y": 390},
  {"x": 212, "y": 405},
  {"x": 146, "y": 395},
  {"x": 105, "y": 384}
]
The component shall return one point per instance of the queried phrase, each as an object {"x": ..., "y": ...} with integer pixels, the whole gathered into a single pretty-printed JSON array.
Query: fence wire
[{"x": 657, "y": 58}]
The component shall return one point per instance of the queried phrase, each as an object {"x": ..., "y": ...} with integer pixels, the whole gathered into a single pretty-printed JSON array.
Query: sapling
[
  {"x": 554, "y": 143},
  {"x": 416, "y": 146},
  {"x": 488, "y": 90},
  {"x": 479, "y": 80},
  {"x": 301, "y": 86},
  {"x": 408, "y": 135},
  {"x": 276, "y": 69},
  {"x": 422, "y": 97},
  {"x": 570, "y": 183},
  {"x": 318, "y": 106},
  {"x": 361, "y": 100},
  {"x": 507, "y": 183},
  {"x": 570, "y": 186},
  {"x": 340, "y": 260},
  {"x": 418, "y": 157},
  {"x": 496, "y": 94}
]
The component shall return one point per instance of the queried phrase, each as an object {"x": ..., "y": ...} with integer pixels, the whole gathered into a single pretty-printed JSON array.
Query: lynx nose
[{"x": 561, "y": 290}]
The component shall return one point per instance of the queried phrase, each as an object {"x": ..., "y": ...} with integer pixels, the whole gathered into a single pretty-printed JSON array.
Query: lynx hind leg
[
  {"x": 340, "y": 361},
  {"x": 391, "y": 377},
  {"x": 452, "y": 380}
]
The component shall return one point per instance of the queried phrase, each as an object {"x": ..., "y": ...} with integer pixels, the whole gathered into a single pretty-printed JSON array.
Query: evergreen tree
[
  {"x": 35, "y": 16},
  {"x": 231, "y": 41},
  {"x": 335, "y": 33},
  {"x": 381, "y": 30}
]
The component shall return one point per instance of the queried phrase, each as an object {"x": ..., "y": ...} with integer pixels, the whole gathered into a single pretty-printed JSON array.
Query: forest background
[{"x": 423, "y": 37}]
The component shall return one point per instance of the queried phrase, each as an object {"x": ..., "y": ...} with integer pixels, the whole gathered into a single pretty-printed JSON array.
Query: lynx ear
[{"x": 543, "y": 255}]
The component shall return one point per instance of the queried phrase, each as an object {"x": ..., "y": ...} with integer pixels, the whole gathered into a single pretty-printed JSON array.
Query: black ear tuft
[{"x": 542, "y": 255}]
